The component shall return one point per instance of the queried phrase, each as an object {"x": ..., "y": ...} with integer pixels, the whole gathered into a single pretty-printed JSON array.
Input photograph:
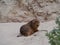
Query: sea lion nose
[{"x": 37, "y": 25}]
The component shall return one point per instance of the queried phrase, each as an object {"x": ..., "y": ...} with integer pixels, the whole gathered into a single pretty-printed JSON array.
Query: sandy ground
[{"x": 9, "y": 31}]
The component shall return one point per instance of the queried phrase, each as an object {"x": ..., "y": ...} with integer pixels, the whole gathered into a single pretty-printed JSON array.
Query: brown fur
[{"x": 29, "y": 28}]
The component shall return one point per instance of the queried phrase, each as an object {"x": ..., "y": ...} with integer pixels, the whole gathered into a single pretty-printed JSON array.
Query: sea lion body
[
  {"x": 26, "y": 30},
  {"x": 29, "y": 28}
]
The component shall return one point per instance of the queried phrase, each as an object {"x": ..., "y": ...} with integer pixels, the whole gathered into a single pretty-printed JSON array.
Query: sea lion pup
[{"x": 29, "y": 28}]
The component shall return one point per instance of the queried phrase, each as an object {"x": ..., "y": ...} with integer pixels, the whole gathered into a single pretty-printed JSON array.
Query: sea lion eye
[{"x": 37, "y": 25}]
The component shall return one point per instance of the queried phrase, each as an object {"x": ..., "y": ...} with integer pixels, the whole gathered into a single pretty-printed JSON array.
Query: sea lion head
[{"x": 34, "y": 23}]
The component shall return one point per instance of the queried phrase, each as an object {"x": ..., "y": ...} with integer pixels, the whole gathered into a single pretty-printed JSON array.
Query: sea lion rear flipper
[{"x": 19, "y": 35}]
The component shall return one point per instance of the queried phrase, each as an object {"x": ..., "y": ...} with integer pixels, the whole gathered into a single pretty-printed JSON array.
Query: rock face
[{"x": 26, "y": 10}]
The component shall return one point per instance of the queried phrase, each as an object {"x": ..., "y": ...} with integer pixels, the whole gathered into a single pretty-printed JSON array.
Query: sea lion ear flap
[{"x": 33, "y": 21}]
